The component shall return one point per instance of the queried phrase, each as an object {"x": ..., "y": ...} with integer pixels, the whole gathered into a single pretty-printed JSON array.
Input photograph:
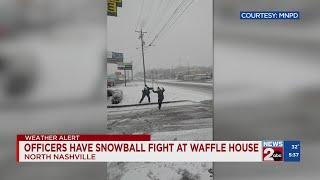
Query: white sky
[{"x": 188, "y": 42}]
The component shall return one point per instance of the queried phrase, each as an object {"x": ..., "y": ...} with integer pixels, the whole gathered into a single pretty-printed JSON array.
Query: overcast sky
[{"x": 189, "y": 41}]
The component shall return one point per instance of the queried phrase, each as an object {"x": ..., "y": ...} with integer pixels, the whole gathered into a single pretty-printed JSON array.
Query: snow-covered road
[
  {"x": 188, "y": 120},
  {"x": 173, "y": 92}
]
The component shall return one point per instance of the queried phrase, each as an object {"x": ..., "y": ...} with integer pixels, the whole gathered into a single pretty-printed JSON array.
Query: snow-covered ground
[
  {"x": 184, "y": 135},
  {"x": 133, "y": 91},
  {"x": 171, "y": 118},
  {"x": 178, "y": 82},
  {"x": 188, "y": 120},
  {"x": 161, "y": 171}
]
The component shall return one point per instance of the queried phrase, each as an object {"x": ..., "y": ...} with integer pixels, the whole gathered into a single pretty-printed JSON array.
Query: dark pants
[
  {"x": 143, "y": 96},
  {"x": 160, "y": 103}
]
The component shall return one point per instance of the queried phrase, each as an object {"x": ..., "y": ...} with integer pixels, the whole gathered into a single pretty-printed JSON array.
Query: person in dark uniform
[
  {"x": 145, "y": 92},
  {"x": 160, "y": 96}
]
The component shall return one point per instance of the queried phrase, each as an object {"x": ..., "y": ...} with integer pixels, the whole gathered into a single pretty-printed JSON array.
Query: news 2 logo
[
  {"x": 287, "y": 151},
  {"x": 272, "y": 150}
]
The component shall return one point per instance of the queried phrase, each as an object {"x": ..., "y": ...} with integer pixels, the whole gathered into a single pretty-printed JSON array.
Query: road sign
[
  {"x": 125, "y": 66},
  {"x": 128, "y": 66},
  {"x": 114, "y": 57}
]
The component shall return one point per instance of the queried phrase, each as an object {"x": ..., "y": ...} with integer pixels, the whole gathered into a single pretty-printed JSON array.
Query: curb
[{"x": 144, "y": 104}]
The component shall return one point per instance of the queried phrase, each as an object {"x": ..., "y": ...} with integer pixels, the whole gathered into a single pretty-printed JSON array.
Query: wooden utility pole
[{"x": 142, "y": 52}]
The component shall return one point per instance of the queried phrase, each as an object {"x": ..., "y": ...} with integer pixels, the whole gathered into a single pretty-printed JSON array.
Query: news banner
[{"x": 140, "y": 148}]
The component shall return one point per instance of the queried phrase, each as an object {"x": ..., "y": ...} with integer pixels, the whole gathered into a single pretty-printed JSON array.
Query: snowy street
[
  {"x": 173, "y": 117},
  {"x": 177, "y": 121},
  {"x": 191, "y": 119},
  {"x": 195, "y": 92},
  {"x": 192, "y": 113}
]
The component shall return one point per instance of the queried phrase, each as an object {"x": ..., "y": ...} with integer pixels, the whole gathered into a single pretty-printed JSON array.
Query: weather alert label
[
  {"x": 272, "y": 15},
  {"x": 283, "y": 151}
]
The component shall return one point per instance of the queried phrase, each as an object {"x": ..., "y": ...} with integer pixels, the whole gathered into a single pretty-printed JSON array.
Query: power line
[
  {"x": 169, "y": 21},
  {"x": 155, "y": 14},
  {"x": 176, "y": 12},
  {"x": 146, "y": 19},
  {"x": 160, "y": 17},
  {"x": 176, "y": 20},
  {"x": 146, "y": 51},
  {"x": 140, "y": 15}
]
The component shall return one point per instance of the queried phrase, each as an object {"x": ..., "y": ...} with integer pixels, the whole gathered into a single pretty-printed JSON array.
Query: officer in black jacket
[
  {"x": 160, "y": 96},
  {"x": 145, "y": 92}
]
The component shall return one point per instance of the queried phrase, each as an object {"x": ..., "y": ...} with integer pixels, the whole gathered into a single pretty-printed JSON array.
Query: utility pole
[{"x": 142, "y": 51}]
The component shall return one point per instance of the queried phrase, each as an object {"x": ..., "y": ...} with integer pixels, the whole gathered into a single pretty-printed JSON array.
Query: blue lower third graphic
[
  {"x": 292, "y": 151},
  {"x": 272, "y": 15}
]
